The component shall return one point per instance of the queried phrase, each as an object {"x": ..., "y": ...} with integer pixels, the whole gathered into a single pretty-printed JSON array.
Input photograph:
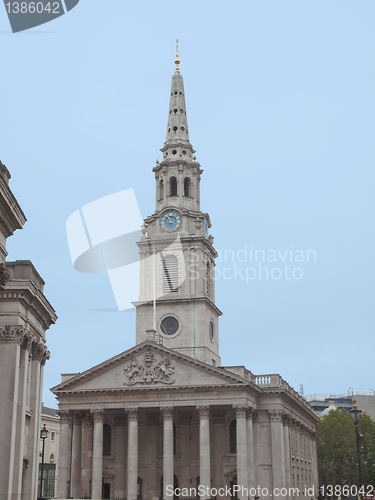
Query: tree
[{"x": 337, "y": 449}]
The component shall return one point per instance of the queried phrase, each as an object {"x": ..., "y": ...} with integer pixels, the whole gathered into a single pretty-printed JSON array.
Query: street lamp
[
  {"x": 355, "y": 412},
  {"x": 43, "y": 435}
]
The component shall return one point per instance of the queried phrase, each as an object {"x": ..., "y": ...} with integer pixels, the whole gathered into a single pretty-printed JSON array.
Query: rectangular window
[{"x": 52, "y": 436}]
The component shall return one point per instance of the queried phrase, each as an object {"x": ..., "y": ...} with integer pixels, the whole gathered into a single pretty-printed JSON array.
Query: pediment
[{"x": 148, "y": 365}]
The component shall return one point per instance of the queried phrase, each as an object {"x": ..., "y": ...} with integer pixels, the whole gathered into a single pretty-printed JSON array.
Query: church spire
[{"x": 177, "y": 144}]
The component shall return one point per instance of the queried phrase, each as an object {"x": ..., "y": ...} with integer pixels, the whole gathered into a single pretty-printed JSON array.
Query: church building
[{"x": 165, "y": 418}]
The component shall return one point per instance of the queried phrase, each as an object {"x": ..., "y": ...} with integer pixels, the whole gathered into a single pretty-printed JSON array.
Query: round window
[
  {"x": 211, "y": 330},
  {"x": 169, "y": 325}
]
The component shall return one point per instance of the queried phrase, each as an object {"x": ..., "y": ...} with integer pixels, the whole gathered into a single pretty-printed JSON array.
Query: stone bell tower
[{"x": 177, "y": 291}]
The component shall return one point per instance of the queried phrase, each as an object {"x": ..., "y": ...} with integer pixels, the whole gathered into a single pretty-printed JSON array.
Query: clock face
[
  {"x": 205, "y": 228},
  {"x": 170, "y": 222}
]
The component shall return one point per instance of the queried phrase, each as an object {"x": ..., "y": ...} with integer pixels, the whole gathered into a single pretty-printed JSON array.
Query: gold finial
[{"x": 177, "y": 60}]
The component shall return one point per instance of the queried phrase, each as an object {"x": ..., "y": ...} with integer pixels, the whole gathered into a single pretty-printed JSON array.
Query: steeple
[
  {"x": 177, "y": 294},
  {"x": 177, "y": 144}
]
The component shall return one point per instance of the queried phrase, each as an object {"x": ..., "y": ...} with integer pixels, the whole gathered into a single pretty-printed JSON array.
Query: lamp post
[
  {"x": 355, "y": 412},
  {"x": 43, "y": 435}
]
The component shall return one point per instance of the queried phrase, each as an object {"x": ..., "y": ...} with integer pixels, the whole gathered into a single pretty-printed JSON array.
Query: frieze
[{"x": 150, "y": 371}]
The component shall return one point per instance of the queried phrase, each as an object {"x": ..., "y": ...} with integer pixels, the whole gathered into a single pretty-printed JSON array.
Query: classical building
[
  {"x": 25, "y": 315},
  {"x": 165, "y": 413}
]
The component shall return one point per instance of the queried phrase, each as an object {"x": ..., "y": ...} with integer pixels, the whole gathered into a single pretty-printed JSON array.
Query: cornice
[
  {"x": 32, "y": 298},
  {"x": 11, "y": 214}
]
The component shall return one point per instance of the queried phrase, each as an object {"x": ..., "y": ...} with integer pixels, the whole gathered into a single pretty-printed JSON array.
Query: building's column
[
  {"x": 185, "y": 422},
  {"x": 75, "y": 481},
  {"x": 242, "y": 472},
  {"x": 277, "y": 447},
  {"x": 167, "y": 451},
  {"x": 25, "y": 343},
  {"x": 204, "y": 448},
  {"x": 250, "y": 448},
  {"x": 132, "y": 476},
  {"x": 152, "y": 420},
  {"x": 39, "y": 354},
  {"x": 97, "y": 455},
  {"x": 86, "y": 454},
  {"x": 288, "y": 460},
  {"x": 10, "y": 338},
  {"x": 314, "y": 463},
  {"x": 63, "y": 473}
]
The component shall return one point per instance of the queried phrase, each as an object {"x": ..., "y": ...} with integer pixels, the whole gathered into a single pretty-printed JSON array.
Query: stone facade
[
  {"x": 165, "y": 414},
  {"x": 25, "y": 315}
]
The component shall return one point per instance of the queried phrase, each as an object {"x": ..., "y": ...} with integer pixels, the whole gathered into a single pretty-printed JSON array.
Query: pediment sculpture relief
[{"x": 150, "y": 371}]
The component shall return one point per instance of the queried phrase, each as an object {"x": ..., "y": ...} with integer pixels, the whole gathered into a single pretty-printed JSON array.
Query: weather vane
[{"x": 177, "y": 60}]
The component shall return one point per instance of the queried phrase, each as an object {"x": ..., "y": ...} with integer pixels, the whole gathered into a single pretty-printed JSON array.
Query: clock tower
[{"x": 176, "y": 306}]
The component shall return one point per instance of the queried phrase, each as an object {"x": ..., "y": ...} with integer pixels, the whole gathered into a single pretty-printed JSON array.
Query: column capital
[
  {"x": 252, "y": 413},
  {"x": 204, "y": 412},
  {"x": 132, "y": 413},
  {"x": 167, "y": 412},
  {"x": 275, "y": 415},
  {"x": 10, "y": 333},
  {"x": 65, "y": 416},
  {"x": 98, "y": 415},
  {"x": 241, "y": 410}
]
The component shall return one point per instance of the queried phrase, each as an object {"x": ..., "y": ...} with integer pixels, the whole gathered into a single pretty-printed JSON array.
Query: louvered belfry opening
[{"x": 170, "y": 273}]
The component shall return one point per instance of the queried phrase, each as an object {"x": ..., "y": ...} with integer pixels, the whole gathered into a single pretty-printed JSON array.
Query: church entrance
[{"x": 106, "y": 490}]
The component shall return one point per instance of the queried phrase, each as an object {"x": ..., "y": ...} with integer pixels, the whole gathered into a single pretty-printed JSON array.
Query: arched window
[
  {"x": 170, "y": 273},
  {"x": 161, "y": 190},
  {"x": 187, "y": 186},
  {"x": 233, "y": 437},
  {"x": 107, "y": 435},
  {"x": 173, "y": 186}
]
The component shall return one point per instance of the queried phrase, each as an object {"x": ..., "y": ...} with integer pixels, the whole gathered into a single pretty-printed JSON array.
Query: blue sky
[{"x": 280, "y": 105}]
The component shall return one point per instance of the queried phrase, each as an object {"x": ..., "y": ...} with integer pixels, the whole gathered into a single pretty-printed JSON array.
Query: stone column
[
  {"x": 86, "y": 454},
  {"x": 63, "y": 472},
  {"x": 75, "y": 482},
  {"x": 153, "y": 489},
  {"x": 277, "y": 447},
  {"x": 26, "y": 344},
  {"x": 168, "y": 474},
  {"x": 314, "y": 463},
  {"x": 97, "y": 455},
  {"x": 288, "y": 462},
  {"x": 242, "y": 472},
  {"x": 132, "y": 454},
  {"x": 204, "y": 448},
  {"x": 250, "y": 448},
  {"x": 39, "y": 356}
]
